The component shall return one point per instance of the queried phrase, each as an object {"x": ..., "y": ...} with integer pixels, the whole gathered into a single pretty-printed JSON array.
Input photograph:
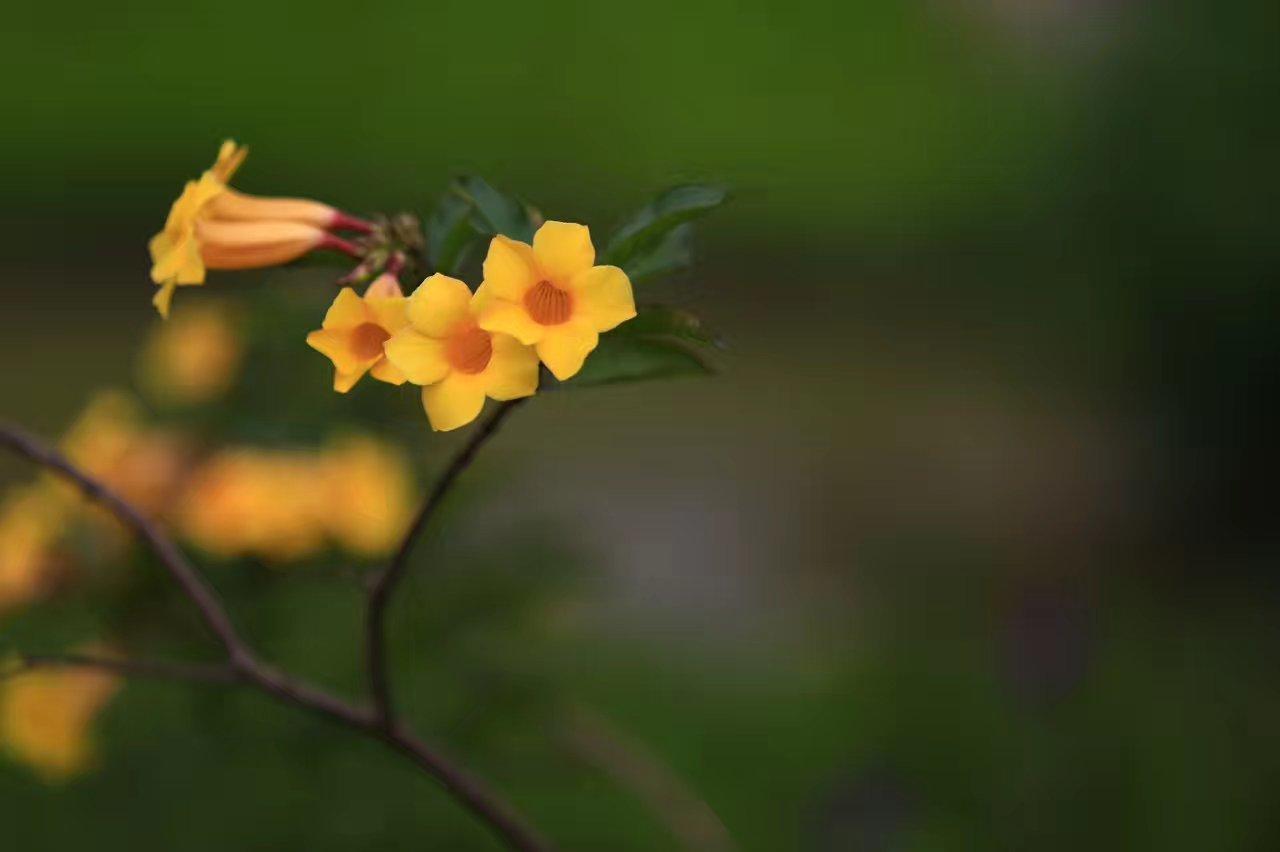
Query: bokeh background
[{"x": 970, "y": 545}]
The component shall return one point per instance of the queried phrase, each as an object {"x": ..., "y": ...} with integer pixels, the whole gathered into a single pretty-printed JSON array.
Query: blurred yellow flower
[
  {"x": 45, "y": 718},
  {"x": 370, "y": 494},
  {"x": 458, "y": 362},
  {"x": 110, "y": 441},
  {"x": 355, "y": 329},
  {"x": 552, "y": 295},
  {"x": 211, "y": 226},
  {"x": 30, "y": 521},
  {"x": 194, "y": 358},
  {"x": 255, "y": 502}
]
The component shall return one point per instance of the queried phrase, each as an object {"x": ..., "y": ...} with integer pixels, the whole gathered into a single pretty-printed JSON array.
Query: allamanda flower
[
  {"x": 552, "y": 295},
  {"x": 355, "y": 329},
  {"x": 458, "y": 363},
  {"x": 211, "y": 226}
]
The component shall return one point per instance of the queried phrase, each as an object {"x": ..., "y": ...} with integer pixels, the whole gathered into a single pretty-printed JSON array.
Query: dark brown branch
[
  {"x": 243, "y": 665},
  {"x": 384, "y": 583}
]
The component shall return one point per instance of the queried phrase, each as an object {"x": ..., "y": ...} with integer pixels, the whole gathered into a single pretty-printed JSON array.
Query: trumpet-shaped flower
[
  {"x": 458, "y": 362},
  {"x": 355, "y": 329},
  {"x": 45, "y": 718},
  {"x": 551, "y": 295},
  {"x": 211, "y": 226}
]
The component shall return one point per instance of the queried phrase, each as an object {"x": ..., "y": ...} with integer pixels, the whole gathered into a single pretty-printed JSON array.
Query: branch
[
  {"x": 243, "y": 666},
  {"x": 188, "y": 579},
  {"x": 384, "y": 583},
  {"x": 158, "y": 669}
]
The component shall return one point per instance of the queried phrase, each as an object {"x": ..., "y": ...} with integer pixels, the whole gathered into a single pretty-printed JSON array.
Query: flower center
[
  {"x": 367, "y": 339},
  {"x": 547, "y": 304},
  {"x": 468, "y": 350}
]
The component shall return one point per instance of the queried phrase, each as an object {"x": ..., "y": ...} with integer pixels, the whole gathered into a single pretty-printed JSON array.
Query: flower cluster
[
  {"x": 286, "y": 505},
  {"x": 547, "y": 302},
  {"x": 212, "y": 226}
]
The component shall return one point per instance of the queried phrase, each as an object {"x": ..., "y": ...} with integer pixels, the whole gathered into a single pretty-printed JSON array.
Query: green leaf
[
  {"x": 673, "y": 254},
  {"x": 450, "y": 234},
  {"x": 647, "y": 230},
  {"x": 663, "y": 321},
  {"x": 494, "y": 212},
  {"x": 626, "y": 358}
]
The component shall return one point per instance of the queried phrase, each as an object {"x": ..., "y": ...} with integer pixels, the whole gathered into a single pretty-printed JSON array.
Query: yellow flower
[
  {"x": 369, "y": 495},
  {"x": 45, "y": 717},
  {"x": 553, "y": 296},
  {"x": 458, "y": 362},
  {"x": 211, "y": 226},
  {"x": 255, "y": 502},
  {"x": 355, "y": 329},
  {"x": 30, "y": 521},
  {"x": 110, "y": 441},
  {"x": 194, "y": 358}
]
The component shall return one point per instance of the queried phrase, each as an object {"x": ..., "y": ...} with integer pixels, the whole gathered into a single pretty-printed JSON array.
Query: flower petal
[
  {"x": 563, "y": 250},
  {"x": 513, "y": 369},
  {"x": 507, "y": 317},
  {"x": 455, "y": 401},
  {"x": 602, "y": 297},
  {"x": 344, "y": 381},
  {"x": 390, "y": 312},
  {"x": 347, "y": 311},
  {"x": 336, "y": 346},
  {"x": 438, "y": 305},
  {"x": 509, "y": 268},
  {"x": 384, "y": 371},
  {"x": 420, "y": 358},
  {"x": 565, "y": 347}
]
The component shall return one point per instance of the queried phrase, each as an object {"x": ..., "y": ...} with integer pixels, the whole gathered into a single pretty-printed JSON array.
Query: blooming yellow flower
[
  {"x": 355, "y": 329},
  {"x": 458, "y": 362},
  {"x": 552, "y": 295},
  {"x": 255, "y": 502},
  {"x": 369, "y": 494},
  {"x": 211, "y": 226},
  {"x": 45, "y": 717},
  {"x": 194, "y": 358}
]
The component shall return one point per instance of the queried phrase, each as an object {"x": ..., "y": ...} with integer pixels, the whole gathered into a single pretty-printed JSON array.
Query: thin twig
[
  {"x": 245, "y": 667},
  {"x": 384, "y": 584}
]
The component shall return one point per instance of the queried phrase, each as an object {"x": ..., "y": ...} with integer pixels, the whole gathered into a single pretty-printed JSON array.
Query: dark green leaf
[
  {"x": 625, "y": 358},
  {"x": 672, "y": 254},
  {"x": 450, "y": 234},
  {"x": 663, "y": 321},
  {"x": 495, "y": 213},
  {"x": 646, "y": 230}
]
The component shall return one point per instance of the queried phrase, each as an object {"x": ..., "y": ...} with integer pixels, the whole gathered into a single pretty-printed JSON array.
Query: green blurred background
[{"x": 972, "y": 545}]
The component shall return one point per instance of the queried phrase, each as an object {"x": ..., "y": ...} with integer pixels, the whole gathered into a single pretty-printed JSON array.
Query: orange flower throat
[
  {"x": 547, "y": 304},
  {"x": 468, "y": 350},
  {"x": 367, "y": 339}
]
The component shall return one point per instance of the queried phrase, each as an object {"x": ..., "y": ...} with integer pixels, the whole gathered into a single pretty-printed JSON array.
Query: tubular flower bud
[
  {"x": 552, "y": 296},
  {"x": 212, "y": 226}
]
